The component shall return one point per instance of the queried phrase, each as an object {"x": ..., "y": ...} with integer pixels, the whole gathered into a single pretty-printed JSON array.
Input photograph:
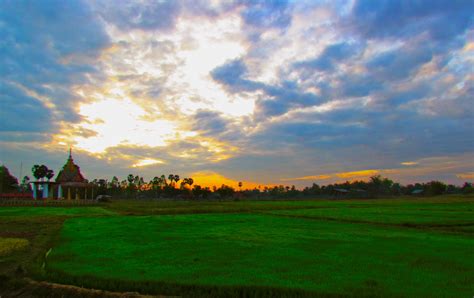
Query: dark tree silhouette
[
  {"x": 8, "y": 182},
  {"x": 49, "y": 174}
]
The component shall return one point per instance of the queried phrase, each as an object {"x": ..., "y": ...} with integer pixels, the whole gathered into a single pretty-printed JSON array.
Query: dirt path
[{"x": 32, "y": 288}]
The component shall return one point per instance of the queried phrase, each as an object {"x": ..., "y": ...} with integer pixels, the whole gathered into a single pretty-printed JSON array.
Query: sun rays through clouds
[{"x": 267, "y": 91}]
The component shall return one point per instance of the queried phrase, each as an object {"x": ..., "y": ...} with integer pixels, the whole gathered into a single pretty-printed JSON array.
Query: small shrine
[{"x": 71, "y": 183}]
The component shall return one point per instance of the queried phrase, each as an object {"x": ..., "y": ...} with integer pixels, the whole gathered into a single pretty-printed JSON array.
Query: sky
[{"x": 263, "y": 92}]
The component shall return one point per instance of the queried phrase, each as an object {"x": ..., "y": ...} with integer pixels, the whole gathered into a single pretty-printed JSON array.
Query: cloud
[
  {"x": 330, "y": 57},
  {"x": 273, "y": 13},
  {"x": 146, "y": 162},
  {"x": 314, "y": 177},
  {"x": 424, "y": 169},
  {"x": 261, "y": 90},
  {"x": 409, "y": 163},
  {"x": 465, "y": 175},
  {"x": 232, "y": 74},
  {"x": 144, "y": 15},
  {"x": 22, "y": 113},
  {"x": 45, "y": 52},
  {"x": 209, "y": 123},
  {"x": 359, "y": 85},
  {"x": 442, "y": 20},
  {"x": 400, "y": 63},
  {"x": 274, "y": 99},
  {"x": 363, "y": 174}
]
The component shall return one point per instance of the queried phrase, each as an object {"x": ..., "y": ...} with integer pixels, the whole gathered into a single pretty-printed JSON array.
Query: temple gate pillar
[
  {"x": 35, "y": 196},
  {"x": 45, "y": 191}
]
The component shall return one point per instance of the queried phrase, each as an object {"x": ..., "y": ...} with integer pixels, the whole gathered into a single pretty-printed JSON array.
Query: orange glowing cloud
[
  {"x": 364, "y": 173},
  {"x": 344, "y": 175},
  {"x": 465, "y": 175},
  {"x": 315, "y": 177}
]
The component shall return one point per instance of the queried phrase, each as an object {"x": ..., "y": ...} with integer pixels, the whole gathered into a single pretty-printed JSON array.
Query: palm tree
[
  {"x": 49, "y": 174},
  {"x": 155, "y": 182},
  {"x": 114, "y": 183},
  {"x": 36, "y": 172},
  {"x": 171, "y": 178},
  {"x": 176, "y": 178},
  {"x": 130, "y": 178},
  {"x": 188, "y": 181}
]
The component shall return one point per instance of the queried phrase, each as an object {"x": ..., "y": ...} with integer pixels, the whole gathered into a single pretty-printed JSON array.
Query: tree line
[{"x": 172, "y": 186}]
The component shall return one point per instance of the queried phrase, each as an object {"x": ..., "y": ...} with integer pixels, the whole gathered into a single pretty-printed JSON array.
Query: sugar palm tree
[
  {"x": 163, "y": 181},
  {"x": 171, "y": 178},
  {"x": 39, "y": 171},
  {"x": 49, "y": 174}
]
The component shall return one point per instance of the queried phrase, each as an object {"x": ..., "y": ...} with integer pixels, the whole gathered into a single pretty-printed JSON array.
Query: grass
[
  {"x": 53, "y": 211},
  {"x": 8, "y": 245},
  {"x": 149, "y": 207},
  {"x": 40, "y": 226},
  {"x": 386, "y": 247},
  {"x": 397, "y": 215},
  {"x": 156, "y": 207},
  {"x": 253, "y": 250}
]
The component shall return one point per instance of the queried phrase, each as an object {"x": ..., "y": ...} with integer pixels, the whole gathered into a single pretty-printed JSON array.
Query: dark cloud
[
  {"x": 382, "y": 113},
  {"x": 278, "y": 99},
  {"x": 399, "y": 63},
  {"x": 47, "y": 46},
  {"x": 358, "y": 85},
  {"x": 315, "y": 134},
  {"x": 442, "y": 20},
  {"x": 282, "y": 99},
  {"x": 209, "y": 123},
  {"x": 22, "y": 113},
  {"x": 390, "y": 135},
  {"x": 232, "y": 75},
  {"x": 394, "y": 98},
  {"x": 330, "y": 57}
]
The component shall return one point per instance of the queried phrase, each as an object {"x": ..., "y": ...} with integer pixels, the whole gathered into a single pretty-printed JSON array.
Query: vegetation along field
[{"x": 412, "y": 247}]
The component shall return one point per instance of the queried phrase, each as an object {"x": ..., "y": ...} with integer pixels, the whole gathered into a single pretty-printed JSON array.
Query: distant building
[{"x": 71, "y": 181}]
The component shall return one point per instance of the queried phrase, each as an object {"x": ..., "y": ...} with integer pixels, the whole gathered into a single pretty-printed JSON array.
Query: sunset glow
[{"x": 271, "y": 92}]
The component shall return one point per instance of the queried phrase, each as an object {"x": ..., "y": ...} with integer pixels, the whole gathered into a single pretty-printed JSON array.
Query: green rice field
[
  {"x": 53, "y": 211},
  {"x": 353, "y": 248}
]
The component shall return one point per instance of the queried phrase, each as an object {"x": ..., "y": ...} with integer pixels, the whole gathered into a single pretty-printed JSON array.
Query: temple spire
[{"x": 70, "y": 153}]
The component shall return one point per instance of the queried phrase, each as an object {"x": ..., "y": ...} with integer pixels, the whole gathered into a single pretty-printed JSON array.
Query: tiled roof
[{"x": 70, "y": 172}]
